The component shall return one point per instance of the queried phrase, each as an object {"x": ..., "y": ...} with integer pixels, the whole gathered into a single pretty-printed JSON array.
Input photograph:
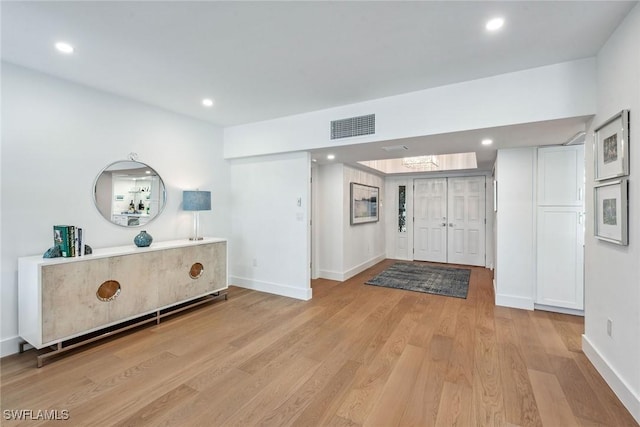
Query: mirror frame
[{"x": 162, "y": 199}]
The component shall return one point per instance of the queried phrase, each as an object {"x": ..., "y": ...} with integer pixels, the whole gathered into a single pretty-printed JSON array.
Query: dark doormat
[{"x": 452, "y": 282}]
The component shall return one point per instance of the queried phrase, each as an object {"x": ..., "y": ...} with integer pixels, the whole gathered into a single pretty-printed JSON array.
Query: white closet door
[
  {"x": 430, "y": 219},
  {"x": 466, "y": 220},
  {"x": 560, "y": 266}
]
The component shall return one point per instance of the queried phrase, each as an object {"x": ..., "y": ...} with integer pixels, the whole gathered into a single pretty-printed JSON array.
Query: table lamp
[{"x": 196, "y": 201}]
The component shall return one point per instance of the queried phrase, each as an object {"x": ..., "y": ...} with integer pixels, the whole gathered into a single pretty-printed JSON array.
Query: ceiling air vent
[{"x": 354, "y": 126}]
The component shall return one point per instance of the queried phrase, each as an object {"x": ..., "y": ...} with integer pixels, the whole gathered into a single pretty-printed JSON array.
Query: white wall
[
  {"x": 330, "y": 221},
  {"x": 269, "y": 249},
  {"x": 57, "y": 136},
  {"x": 515, "y": 228},
  {"x": 545, "y": 93},
  {"x": 612, "y": 273},
  {"x": 364, "y": 244},
  {"x": 345, "y": 249}
]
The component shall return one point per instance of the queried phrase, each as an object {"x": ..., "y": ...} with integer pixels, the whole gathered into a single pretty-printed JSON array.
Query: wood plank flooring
[{"x": 355, "y": 355}]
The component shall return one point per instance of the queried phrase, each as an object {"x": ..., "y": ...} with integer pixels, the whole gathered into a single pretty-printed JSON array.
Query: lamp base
[{"x": 196, "y": 238}]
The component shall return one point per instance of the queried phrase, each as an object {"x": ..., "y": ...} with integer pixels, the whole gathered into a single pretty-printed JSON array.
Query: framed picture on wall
[
  {"x": 611, "y": 147},
  {"x": 611, "y": 211},
  {"x": 365, "y": 200}
]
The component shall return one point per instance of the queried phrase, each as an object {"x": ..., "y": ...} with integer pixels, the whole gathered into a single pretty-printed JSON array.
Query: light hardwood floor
[{"x": 353, "y": 355}]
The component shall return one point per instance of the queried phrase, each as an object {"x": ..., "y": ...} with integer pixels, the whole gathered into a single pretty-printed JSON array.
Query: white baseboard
[
  {"x": 331, "y": 275},
  {"x": 629, "y": 399},
  {"x": 514, "y": 302},
  {"x": 272, "y": 288},
  {"x": 9, "y": 346},
  {"x": 399, "y": 258},
  {"x": 562, "y": 310},
  {"x": 342, "y": 276},
  {"x": 362, "y": 267}
]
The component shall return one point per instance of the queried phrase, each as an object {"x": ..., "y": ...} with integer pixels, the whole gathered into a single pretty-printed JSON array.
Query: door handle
[
  {"x": 444, "y": 224},
  {"x": 450, "y": 224}
]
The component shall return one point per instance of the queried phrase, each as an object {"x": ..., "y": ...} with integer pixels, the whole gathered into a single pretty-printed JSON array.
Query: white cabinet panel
[
  {"x": 561, "y": 176},
  {"x": 560, "y": 250}
]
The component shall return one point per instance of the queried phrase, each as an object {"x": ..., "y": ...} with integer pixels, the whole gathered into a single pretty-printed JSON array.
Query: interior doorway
[{"x": 450, "y": 220}]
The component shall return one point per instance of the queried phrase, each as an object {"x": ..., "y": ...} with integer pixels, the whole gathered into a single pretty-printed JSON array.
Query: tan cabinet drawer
[
  {"x": 138, "y": 288},
  {"x": 179, "y": 264},
  {"x": 69, "y": 302}
]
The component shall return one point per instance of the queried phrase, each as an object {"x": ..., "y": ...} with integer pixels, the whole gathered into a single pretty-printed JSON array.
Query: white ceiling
[
  {"x": 551, "y": 132},
  {"x": 262, "y": 60}
]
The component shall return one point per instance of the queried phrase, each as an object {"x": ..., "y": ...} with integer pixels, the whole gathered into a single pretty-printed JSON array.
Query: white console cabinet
[{"x": 61, "y": 298}]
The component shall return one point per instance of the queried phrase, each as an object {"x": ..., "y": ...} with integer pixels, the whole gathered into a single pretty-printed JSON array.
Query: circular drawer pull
[
  {"x": 196, "y": 270},
  {"x": 108, "y": 291}
]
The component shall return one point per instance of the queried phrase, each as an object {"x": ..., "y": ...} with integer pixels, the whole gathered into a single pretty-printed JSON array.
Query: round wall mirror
[{"x": 129, "y": 193}]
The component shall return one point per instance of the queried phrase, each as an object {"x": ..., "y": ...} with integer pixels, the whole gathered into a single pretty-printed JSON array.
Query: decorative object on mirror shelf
[
  {"x": 364, "y": 203},
  {"x": 143, "y": 239},
  {"x": 53, "y": 252},
  {"x": 88, "y": 250},
  {"x": 129, "y": 193},
  {"x": 196, "y": 201},
  {"x": 611, "y": 211},
  {"x": 611, "y": 147}
]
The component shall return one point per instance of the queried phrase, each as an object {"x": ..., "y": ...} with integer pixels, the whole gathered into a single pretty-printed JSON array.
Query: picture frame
[
  {"x": 365, "y": 200},
  {"x": 611, "y": 211},
  {"x": 611, "y": 147}
]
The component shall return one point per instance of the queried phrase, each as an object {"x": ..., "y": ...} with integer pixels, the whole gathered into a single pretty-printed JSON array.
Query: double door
[{"x": 449, "y": 220}]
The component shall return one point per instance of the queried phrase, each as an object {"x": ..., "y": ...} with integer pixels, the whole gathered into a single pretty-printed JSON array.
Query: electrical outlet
[{"x": 609, "y": 326}]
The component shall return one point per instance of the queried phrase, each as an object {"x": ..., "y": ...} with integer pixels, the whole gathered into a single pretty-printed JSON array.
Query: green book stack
[
  {"x": 65, "y": 237},
  {"x": 61, "y": 239}
]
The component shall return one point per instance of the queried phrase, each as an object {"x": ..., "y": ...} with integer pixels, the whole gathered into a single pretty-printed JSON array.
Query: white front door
[
  {"x": 430, "y": 220},
  {"x": 466, "y": 220},
  {"x": 449, "y": 220}
]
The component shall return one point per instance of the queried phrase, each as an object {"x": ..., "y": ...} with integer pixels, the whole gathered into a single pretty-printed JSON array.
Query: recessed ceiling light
[
  {"x": 64, "y": 47},
  {"x": 147, "y": 172},
  {"x": 207, "y": 102},
  {"x": 494, "y": 24},
  {"x": 330, "y": 156},
  {"x": 314, "y": 160},
  {"x": 487, "y": 141}
]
